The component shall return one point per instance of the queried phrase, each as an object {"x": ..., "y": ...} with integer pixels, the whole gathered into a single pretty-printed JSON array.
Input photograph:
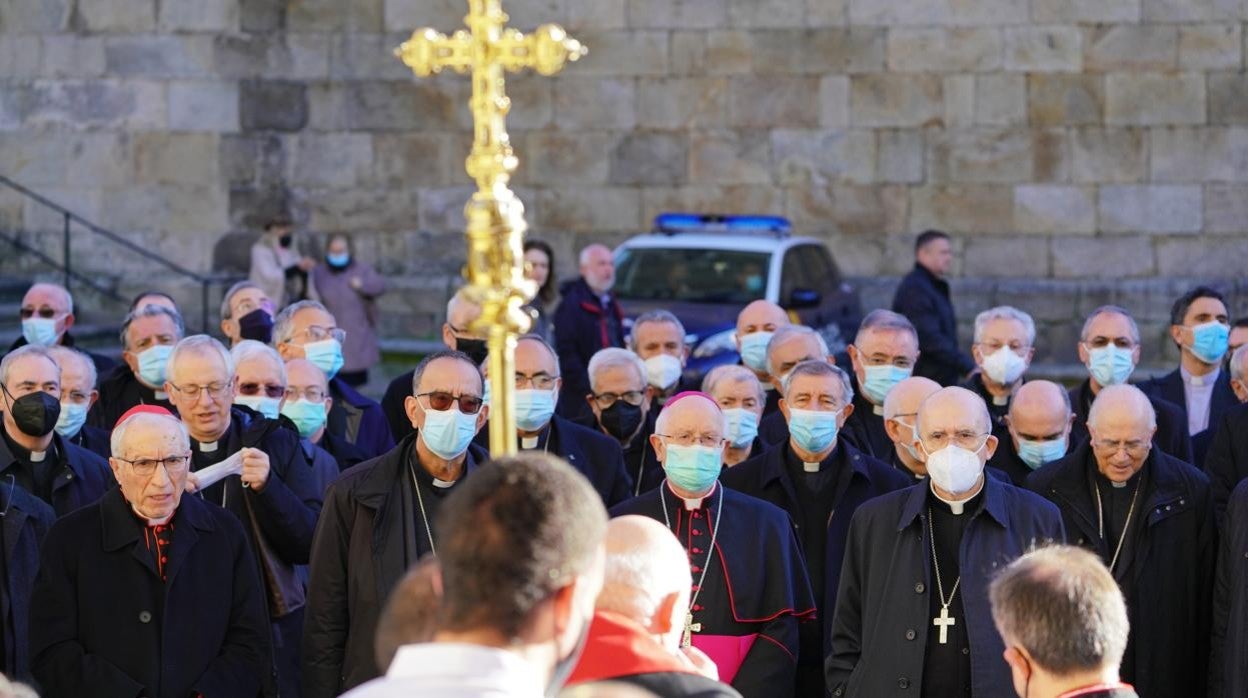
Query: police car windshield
[{"x": 691, "y": 275}]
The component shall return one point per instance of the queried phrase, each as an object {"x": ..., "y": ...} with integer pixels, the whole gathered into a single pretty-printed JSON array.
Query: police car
[{"x": 705, "y": 268}]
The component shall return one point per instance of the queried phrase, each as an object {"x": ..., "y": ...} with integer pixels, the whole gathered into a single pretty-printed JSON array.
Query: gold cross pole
[{"x": 495, "y": 268}]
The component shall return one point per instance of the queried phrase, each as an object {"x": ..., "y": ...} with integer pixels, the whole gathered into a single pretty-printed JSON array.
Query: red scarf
[{"x": 619, "y": 647}]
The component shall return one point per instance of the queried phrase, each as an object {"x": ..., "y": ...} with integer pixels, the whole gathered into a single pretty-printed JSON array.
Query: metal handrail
[{"x": 68, "y": 217}]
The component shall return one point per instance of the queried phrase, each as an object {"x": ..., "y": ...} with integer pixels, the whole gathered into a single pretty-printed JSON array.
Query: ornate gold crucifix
[{"x": 495, "y": 268}]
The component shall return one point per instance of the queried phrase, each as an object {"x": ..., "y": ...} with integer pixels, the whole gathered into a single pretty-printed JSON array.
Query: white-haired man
[
  {"x": 47, "y": 314},
  {"x": 588, "y": 319},
  {"x": 883, "y": 354},
  {"x": 658, "y": 337},
  {"x": 621, "y": 405},
  {"x": 750, "y": 585},
  {"x": 639, "y": 617},
  {"x": 739, "y": 394},
  {"x": 147, "y": 337},
  {"x": 78, "y": 394},
  {"x": 1004, "y": 344},
  {"x": 790, "y": 345},
  {"x": 1150, "y": 518}
]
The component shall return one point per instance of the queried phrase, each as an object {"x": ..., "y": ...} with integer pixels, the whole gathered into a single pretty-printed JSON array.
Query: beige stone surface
[{"x": 1154, "y": 99}]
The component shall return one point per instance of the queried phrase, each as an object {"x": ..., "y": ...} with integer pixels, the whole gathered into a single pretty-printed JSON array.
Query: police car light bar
[{"x": 712, "y": 222}]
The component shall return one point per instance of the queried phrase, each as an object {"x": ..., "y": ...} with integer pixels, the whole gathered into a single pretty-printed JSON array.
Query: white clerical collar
[
  {"x": 955, "y": 506},
  {"x": 208, "y": 446},
  {"x": 1000, "y": 400},
  {"x": 161, "y": 395},
  {"x": 1207, "y": 379},
  {"x": 877, "y": 410},
  {"x": 444, "y": 484},
  {"x": 811, "y": 467},
  {"x": 529, "y": 443},
  {"x": 38, "y": 456},
  {"x": 694, "y": 503},
  {"x": 153, "y": 522}
]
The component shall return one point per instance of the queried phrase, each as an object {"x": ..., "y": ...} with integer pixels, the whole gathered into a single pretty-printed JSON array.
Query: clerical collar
[
  {"x": 957, "y": 508},
  {"x": 151, "y": 523},
  {"x": 811, "y": 467},
  {"x": 1000, "y": 400},
  {"x": 24, "y": 455},
  {"x": 161, "y": 395},
  {"x": 877, "y": 410},
  {"x": 38, "y": 456},
  {"x": 207, "y": 446},
  {"x": 444, "y": 484},
  {"x": 1207, "y": 379},
  {"x": 528, "y": 443},
  {"x": 693, "y": 503}
]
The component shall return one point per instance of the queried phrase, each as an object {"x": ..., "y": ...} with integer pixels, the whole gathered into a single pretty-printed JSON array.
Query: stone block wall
[{"x": 1079, "y": 148}]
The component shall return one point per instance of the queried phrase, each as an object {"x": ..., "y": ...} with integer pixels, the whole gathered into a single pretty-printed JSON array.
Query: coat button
[
  {"x": 919, "y": 588},
  {"x": 910, "y": 634},
  {"x": 903, "y": 683},
  {"x": 69, "y": 476},
  {"x": 145, "y": 617}
]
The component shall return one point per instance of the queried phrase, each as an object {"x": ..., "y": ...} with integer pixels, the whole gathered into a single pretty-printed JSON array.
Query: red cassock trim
[{"x": 617, "y": 647}]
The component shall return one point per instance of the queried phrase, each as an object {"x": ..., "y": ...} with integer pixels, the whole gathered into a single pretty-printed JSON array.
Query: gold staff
[{"x": 495, "y": 268}]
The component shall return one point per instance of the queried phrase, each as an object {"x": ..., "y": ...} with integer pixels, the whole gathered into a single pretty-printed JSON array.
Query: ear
[
  {"x": 286, "y": 350},
  {"x": 483, "y": 415},
  {"x": 1135, "y": 355},
  {"x": 69, "y": 321},
  {"x": 855, "y": 359},
  {"x": 1084, "y": 355},
  {"x": 684, "y": 358},
  {"x": 784, "y": 408},
  {"x": 227, "y": 329},
  {"x": 1019, "y": 664},
  {"x": 115, "y": 465},
  {"x": 990, "y": 446},
  {"x": 131, "y": 359},
  {"x": 845, "y": 412},
  {"x": 977, "y": 354},
  {"x": 1031, "y": 353},
  {"x": 660, "y": 450},
  {"x": 664, "y": 616},
  {"x": 831, "y": 359},
  {"x": 563, "y": 606},
  {"x": 736, "y": 340},
  {"x": 890, "y": 428},
  {"x": 411, "y": 407},
  {"x": 448, "y": 337},
  {"x": 1176, "y": 333},
  {"x": 329, "y": 404},
  {"x": 95, "y": 395}
]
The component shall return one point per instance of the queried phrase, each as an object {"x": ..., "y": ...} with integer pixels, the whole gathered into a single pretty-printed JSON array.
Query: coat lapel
[{"x": 190, "y": 519}]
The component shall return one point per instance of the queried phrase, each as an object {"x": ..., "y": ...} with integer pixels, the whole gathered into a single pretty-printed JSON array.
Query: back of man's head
[
  {"x": 646, "y": 578},
  {"x": 515, "y": 532},
  {"x": 1062, "y": 607}
]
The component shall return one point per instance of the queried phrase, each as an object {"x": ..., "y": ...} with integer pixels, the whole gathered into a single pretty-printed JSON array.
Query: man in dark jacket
[
  {"x": 1038, "y": 431},
  {"x": 306, "y": 330},
  {"x": 1228, "y": 652},
  {"x": 1003, "y": 346},
  {"x": 791, "y": 345},
  {"x": 596, "y": 455},
  {"x": 588, "y": 319},
  {"x": 883, "y": 354},
  {"x": 38, "y": 459},
  {"x": 147, "y": 338},
  {"x": 1150, "y": 518},
  {"x": 47, "y": 313},
  {"x": 820, "y": 481},
  {"x": 1227, "y": 461},
  {"x": 1109, "y": 345},
  {"x": 379, "y": 519},
  {"x": 912, "y": 615},
  {"x": 622, "y": 406},
  {"x": 24, "y": 521},
  {"x": 149, "y": 592},
  {"x": 267, "y": 483},
  {"x": 923, "y": 296}
]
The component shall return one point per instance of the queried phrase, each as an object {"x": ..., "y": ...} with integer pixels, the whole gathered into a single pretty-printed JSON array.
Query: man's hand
[
  {"x": 192, "y": 483},
  {"x": 703, "y": 664},
  {"x": 255, "y": 468}
]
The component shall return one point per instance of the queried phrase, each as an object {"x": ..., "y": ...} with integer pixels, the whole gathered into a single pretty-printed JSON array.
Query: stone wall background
[{"x": 1080, "y": 151}]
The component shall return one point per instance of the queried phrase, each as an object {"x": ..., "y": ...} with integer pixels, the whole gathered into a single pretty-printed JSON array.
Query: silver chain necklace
[
  {"x": 1126, "y": 525},
  {"x": 421, "y": 501},
  {"x": 945, "y": 620},
  {"x": 710, "y": 551}
]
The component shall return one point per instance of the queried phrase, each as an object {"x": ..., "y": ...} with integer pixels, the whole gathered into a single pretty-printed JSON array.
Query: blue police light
[{"x": 711, "y": 222}]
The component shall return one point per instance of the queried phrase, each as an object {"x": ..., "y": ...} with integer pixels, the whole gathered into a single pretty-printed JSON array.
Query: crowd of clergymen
[{"x": 204, "y": 520}]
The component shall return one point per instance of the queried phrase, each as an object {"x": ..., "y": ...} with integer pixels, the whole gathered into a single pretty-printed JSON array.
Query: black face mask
[
  {"x": 474, "y": 348},
  {"x": 257, "y": 325},
  {"x": 621, "y": 420},
  {"x": 286, "y": 239},
  {"x": 34, "y": 414}
]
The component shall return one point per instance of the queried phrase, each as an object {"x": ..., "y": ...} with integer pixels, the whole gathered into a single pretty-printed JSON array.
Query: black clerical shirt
[
  {"x": 818, "y": 490},
  {"x": 947, "y": 666},
  {"x": 34, "y": 476}
]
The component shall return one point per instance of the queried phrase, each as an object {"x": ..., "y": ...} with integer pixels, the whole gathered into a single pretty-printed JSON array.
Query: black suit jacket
[
  {"x": 102, "y": 622},
  {"x": 1170, "y": 387},
  {"x": 1226, "y": 464},
  {"x": 924, "y": 299},
  {"x": 22, "y": 529}
]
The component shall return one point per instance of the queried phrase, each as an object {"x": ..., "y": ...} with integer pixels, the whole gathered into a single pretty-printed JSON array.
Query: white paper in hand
[{"x": 213, "y": 474}]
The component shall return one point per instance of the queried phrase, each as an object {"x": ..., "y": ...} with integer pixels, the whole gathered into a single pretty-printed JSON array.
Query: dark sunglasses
[
  {"x": 468, "y": 404},
  {"x": 270, "y": 390},
  {"x": 28, "y": 313}
]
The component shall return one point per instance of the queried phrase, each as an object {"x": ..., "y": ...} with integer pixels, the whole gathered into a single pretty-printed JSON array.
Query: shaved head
[
  {"x": 1118, "y": 404},
  {"x": 761, "y": 316},
  {"x": 690, "y": 412},
  {"x": 1039, "y": 411},
  {"x": 905, "y": 397},
  {"x": 647, "y": 576},
  {"x": 954, "y": 408}
]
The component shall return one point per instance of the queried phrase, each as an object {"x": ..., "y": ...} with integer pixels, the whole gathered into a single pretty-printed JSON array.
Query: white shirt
[
  {"x": 1198, "y": 391},
  {"x": 453, "y": 670}
]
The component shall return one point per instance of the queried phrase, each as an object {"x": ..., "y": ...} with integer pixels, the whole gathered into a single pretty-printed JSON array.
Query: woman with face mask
[
  {"x": 349, "y": 289},
  {"x": 277, "y": 265}
]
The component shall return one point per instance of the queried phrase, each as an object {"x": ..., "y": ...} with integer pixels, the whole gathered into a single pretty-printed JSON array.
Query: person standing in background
[
  {"x": 923, "y": 297},
  {"x": 349, "y": 289},
  {"x": 540, "y": 267},
  {"x": 276, "y": 265}
]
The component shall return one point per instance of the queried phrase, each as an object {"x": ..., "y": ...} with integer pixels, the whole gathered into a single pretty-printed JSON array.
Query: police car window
[
  {"x": 821, "y": 269},
  {"x": 692, "y": 275},
  {"x": 796, "y": 273}
]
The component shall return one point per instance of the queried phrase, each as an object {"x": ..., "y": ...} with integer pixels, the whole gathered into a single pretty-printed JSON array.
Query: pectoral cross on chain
[
  {"x": 690, "y": 628},
  {"x": 943, "y": 622}
]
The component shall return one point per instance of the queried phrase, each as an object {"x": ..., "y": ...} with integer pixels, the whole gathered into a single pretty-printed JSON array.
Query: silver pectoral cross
[
  {"x": 690, "y": 627},
  {"x": 943, "y": 622}
]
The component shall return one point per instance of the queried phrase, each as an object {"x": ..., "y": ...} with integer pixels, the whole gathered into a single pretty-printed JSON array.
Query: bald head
[
  {"x": 1040, "y": 411},
  {"x": 303, "y": 374},
  {"x": 646, "y": 577},
  {"x": 953, "y": 409},
  {"x": 760, "y": 316},
  {"x": 1121, "y": 423},
  {"x": 1122, "y": 405},
  {"x": 692, "y": 413},
  {"x": 905, "y": 397}
]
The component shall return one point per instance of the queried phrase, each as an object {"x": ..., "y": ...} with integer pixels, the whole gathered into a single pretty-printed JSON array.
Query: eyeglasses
[
  {"x": 1134, "y": 447},
  {"x": 191, "y": 392},
  {"x": 468, "y": 404},
  {"x": 541, "y": 381},
  {"x": 44, "y": 312},
  {"x": 632, "y": 397},
  {"x": 970, "y": 440},
  {"x": 174, "y": 465},
  {"x": 311, "y": 394},
  {"x": 689, "y": 439},
  {"x": 316, "y": 333},
  {"x": 270, "y": 389}
]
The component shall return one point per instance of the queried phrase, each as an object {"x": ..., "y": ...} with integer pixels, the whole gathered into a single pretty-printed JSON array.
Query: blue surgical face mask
[
  {"x": 878, "y": 380},
  {"x": 152, "y": 363},
  {"x": 742, "y": 426},
  {"x": 265, "y": 405},
  {"x": 692, "y": 468},
  {"x": 534, "y": 408},
  {"x": 754, "y": 283},
  {"x": 339, "y": 260},
  {"x": 1110, "y": 365},
  {"x": 325, "y": 355},
  {"x": 1209, "y": 342},
  {"x": 447, "y": 433},
  {"x": 1037, "y": 453},
  {"x": 73, "y": 416},
  {"x": 307, "y": 416},
  {"x": 813, "y": 430},
  {"x": 39, "y": 331},
  {"x": 754, "y": 350}
]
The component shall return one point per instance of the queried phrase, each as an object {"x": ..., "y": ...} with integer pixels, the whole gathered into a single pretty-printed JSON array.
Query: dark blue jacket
[
  {"x": 764, "y": 477},
  {"x": 102, "y": 623},
  {"x": 93, "y": 439},
  {"x": 1170, "y": 387},
  {"x": 103, "y": 364},
  {"x": 924, "y": 299},
  {"x": 392, "y": 406},
  {"x": 81, "y": 479},
  {"x": 1226, "y": 463},
  {"x": 879, "y": 631},
  {"x": 26, "y": 520},
  {"x": 1168, "y": 583},
  {"x": 583, "y": 325},
  {"x": 1171, "y": 435},
  {"x": 358, "y": 420},
  {"x": 119, "y": 391},
  {"x": 1228, "y": 656}
]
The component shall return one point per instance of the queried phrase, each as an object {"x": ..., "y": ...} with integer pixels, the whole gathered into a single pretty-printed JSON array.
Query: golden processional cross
[{"x": 495, "y": 268}]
